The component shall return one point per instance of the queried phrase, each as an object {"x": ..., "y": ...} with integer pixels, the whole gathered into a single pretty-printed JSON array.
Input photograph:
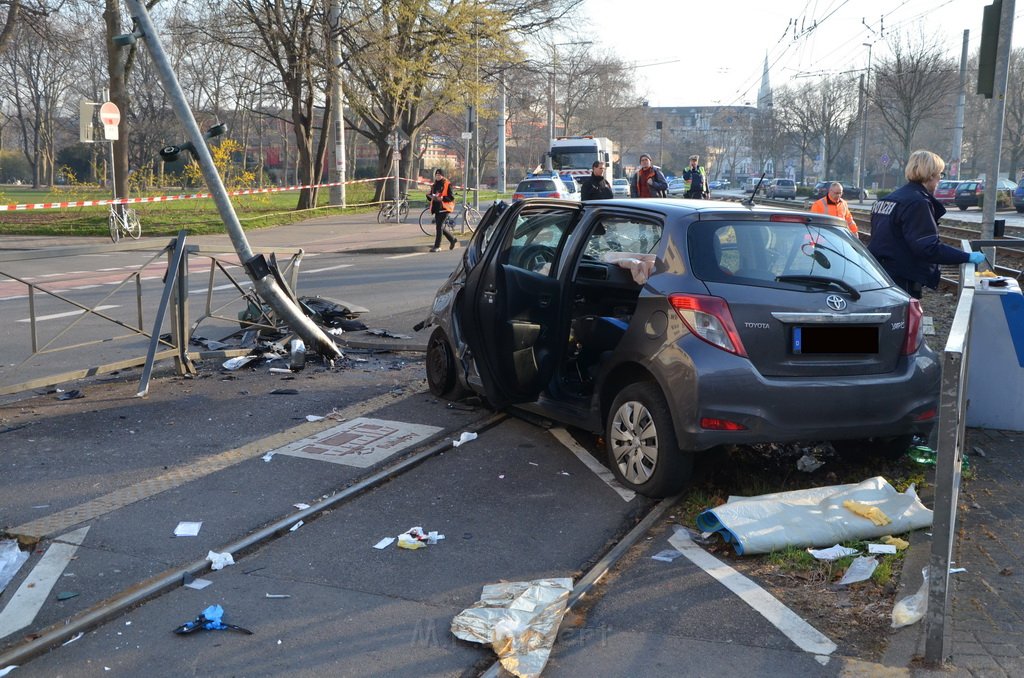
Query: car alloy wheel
[{"x": 642, "y": 447}]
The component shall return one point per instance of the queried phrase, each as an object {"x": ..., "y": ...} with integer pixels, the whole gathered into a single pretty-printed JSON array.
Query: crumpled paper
[
  {"x": 640, "y": 265},
  {"x": 218, "y": 561},
  {"x": 520, "y": 621}
]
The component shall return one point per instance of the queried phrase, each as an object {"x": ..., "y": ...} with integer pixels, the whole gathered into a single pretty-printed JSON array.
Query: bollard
[{"x": 999, "y": 228}]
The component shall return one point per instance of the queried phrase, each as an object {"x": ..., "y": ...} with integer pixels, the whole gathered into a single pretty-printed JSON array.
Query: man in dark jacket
[
  {"x": 904, "y": 230},
  {"x": 648, "y": 181},
  {"x": 596, "y": 187}
]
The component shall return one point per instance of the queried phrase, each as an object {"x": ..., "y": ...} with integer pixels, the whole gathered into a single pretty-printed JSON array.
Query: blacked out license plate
[{"x": 835, "y": 339}]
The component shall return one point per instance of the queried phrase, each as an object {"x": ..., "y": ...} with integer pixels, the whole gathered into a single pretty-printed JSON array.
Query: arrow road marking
[{"x": 33, "y": 592}]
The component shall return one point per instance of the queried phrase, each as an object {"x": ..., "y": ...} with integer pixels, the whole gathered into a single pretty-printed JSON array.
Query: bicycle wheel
[
  {"x": 427, "y": 221},
  {"x": 470, "y": 218},
  {"x": 384, "y": 213},
  {"x": 115, "y": 226},
  {"x": 132, "y": 223},
  {"x": 403, "y": 211}
]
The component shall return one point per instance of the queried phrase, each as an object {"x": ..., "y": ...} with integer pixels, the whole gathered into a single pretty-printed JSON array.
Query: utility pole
[
  {"x": 998, "y": 116},
  {"x": 958, "y": 124},
  {"x": 502, "y": 169},
  {"x": 255, "y": 266},
  {"x": 337, "y": 193},
  {"x": 866, "y": 82}
]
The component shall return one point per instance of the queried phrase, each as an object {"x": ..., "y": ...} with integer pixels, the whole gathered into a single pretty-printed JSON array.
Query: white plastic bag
[{"x": 910, "y": 610}]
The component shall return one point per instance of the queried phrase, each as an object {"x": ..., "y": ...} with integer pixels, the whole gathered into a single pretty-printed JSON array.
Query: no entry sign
[{"x": 110, "y": 114}]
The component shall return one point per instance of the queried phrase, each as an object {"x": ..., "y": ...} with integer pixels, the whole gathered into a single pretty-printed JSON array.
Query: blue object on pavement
[{"x": 210, "y": 618}]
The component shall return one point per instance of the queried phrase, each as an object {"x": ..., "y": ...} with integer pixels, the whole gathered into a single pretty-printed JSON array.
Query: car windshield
[
  {"x": 573, "y": 157},
  {"x": 780, "y": 254},
  {"x": 536, "y": 186}
]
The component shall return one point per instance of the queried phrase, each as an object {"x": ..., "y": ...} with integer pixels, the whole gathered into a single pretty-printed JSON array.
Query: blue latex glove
[{"x": 976, "y": 257}]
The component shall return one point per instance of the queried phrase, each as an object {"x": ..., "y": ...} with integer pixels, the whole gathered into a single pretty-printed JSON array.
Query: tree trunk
[{"x": 118, "y": 94}]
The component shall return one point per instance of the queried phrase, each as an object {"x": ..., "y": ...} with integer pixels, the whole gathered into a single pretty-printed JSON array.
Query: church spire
[{"x": 764, "y": 94}]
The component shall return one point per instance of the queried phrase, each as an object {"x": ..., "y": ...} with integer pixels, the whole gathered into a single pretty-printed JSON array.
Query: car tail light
[
  {"x": 914, "y": 330},
  {"x": 518, "y": 196},
  {"x": 556, "y": 194},
  {"x": 927, "y": 415},
  {"x": 721, "y": 425},
  {"x": 710, "y": 320},
  {"x": 793, "y": 218}
]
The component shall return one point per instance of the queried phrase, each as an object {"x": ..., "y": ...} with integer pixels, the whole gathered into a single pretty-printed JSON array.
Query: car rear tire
[
  {"x": 442, "y": 377},
  {"x": 643, "y": 451}
]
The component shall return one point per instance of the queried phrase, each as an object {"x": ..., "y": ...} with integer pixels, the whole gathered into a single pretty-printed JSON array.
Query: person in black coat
[
  {"x": 596, "y": 187},
  {"x": 904, "y": 228}
]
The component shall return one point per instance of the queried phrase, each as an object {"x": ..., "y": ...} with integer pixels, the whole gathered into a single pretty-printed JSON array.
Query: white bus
[{"x": 576, "y": 155}]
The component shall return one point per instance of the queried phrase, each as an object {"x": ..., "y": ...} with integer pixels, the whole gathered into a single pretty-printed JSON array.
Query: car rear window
[
  {"x": 947, "y": 184},
  {"x": 759, "y": 252},
  {"x": 784, "y": 182},
  {"x": 536, "y": 186}
]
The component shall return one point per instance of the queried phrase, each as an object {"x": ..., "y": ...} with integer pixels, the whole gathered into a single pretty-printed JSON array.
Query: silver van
[{"x": 782, "y": 188}]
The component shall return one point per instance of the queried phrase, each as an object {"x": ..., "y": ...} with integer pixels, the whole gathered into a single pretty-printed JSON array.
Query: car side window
[
  {"x": 537, "y": 238},
  {"x": 622, "y": 234}
]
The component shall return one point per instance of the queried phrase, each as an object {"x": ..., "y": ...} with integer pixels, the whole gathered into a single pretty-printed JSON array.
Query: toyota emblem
[{"x": 835, "y": 302}]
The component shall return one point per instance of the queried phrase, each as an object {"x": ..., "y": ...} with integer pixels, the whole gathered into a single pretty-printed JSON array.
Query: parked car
[
  {"x": 672, "y": 327},
  {"x": 620, "y": 188},
  {"x": 850, "y": 191},
  {"x": 1018, "y": 198},
  {"x": 542, "y": 186},
  {"x": 716, "y": 184},
  {"x": 752, "y": 183},
  {"x": 782, "y": 188},
  {"x": 677, "y": 188},
  {"x": 571, "y": 184},
  {"x": 945, "y": 192},
  {"x": 968, "y": 193}
]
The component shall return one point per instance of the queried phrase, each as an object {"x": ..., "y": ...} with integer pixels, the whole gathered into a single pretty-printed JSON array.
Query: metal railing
[
  {"x": 95, "y": 340},
  {"x": 950, "y": 453}
]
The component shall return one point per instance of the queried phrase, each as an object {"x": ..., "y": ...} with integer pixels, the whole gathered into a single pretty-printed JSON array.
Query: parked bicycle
[
  {"x": 388, "y": 211},
  {"x": 123, "y": 221},
  {"x": 464, "y": 215}
]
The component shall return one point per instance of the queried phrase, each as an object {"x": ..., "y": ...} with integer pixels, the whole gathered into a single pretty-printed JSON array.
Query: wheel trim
[
  {"x": 439, "y": 365},
  {"x": 634, "y": 442}
]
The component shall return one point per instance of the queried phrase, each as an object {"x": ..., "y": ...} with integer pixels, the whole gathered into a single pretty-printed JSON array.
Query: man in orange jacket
[{"x": 834, "y": 205}]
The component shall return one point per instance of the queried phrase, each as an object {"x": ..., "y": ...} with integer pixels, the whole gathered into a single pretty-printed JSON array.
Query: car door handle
[{"x": 544, "y": 300}]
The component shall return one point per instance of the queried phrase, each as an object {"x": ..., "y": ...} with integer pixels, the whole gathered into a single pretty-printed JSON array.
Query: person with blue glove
[{"x": 905, "y": 232}]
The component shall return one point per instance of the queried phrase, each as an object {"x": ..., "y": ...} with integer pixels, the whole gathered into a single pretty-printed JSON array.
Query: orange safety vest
[
  {"x": 839, "y": 209},
  {"x": 444, "y": 202}
]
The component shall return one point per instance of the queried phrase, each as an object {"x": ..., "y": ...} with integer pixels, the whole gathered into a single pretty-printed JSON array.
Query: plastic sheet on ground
[
  {"x": 519, "y": 620},
  {"x": 813, "y": 517},
  {"x": 11, "y": 560}
]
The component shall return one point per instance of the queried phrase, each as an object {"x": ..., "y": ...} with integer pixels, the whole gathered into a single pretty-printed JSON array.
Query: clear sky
[{"x": 716, "y": 48}]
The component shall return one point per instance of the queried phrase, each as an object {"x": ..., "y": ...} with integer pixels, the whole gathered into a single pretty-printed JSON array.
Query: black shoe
[
  {"x": 435, "y": 249},
  {"x": 453, "y": 244}
]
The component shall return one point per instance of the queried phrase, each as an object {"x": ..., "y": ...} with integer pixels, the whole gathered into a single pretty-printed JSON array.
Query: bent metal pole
[{"x": 263, "y": 279}]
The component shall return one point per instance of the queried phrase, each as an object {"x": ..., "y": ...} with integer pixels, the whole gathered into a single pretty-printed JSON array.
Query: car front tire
[
  {"x": 643, "y": 451},
  {"x": 442, "y": 376}
]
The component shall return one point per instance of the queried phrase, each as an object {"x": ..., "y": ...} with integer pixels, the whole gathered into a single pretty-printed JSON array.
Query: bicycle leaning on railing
[
  {"x": 465, "y": 215},
  {"x": 123, "y": 221},
  {"x": 389, "y": 210}
]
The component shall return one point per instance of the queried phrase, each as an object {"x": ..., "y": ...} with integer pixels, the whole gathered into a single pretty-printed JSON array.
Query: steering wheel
[{"x": 534, "y": 257}]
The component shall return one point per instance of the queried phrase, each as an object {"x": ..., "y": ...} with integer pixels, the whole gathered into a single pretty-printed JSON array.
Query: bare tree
[
  {"x": 911, "y": 86},
  {"x": 28, "y": 12}
]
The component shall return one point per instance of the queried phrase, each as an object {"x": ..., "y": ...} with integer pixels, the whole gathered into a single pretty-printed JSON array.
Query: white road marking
[
  {"x": 33, "y": 592},
  {"x": 406, "y": 256},
  {"x": 229, "y": 286},
  {"x": 66, "y": 315},
  {"x": 803, "y": 635},
  {"x": 564, "y": 437},
  {"x": 329, "y": 268}
]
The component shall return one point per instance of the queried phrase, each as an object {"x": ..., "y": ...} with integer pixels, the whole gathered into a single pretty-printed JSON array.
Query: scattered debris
[
  {"x": 198, "y": 584},
  {"x": 70, "y": 640},
  {"x": 900, "y": 544},
  {"x": 218, "y": 561},
  {"x": 388, "y": 333},
  {"x": 285, "y": 391},
  {"x": 296, "y": 526},
  {"x": 667, "y": 556},
  {"x": 384, "y": 543},
  {"x": 872, "y": 513},
  {"x": 301, "y": 506},
  {"x": 211, "y": 619},
  {"x": 808, "y": 464},
  {"x": 832, "y": 552},
  {"x": 236, "y": 363},
  {"x": 73, "y": 394},
  {"x": 464, "y": 438},
  {"x": 11, "y": 560},
  {"x": 912, "y": 608},
  {"x": 314, "y": 417},
  {"x": 188, "y": 528},
  {"x": 298, "y": 355},
  {"x": 883, "y": 549},
  {"x": 278, "y": 595},
  {"x": 333, "y": 313},
  {"x": 280, "y": 370},
  {"x": 860, "y": 569},
  {"x": 268, "y": 456},
  {"x": 414, "y": 539},
  {"x": 519, "y": 620},
  {"x": 957, "y": 570},
  {"x": 67, "y": 595}
]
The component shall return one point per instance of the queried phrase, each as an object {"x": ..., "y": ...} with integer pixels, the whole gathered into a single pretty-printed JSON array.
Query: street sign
[
  {"x": 886, "y": 159},
  {"x": 86, "y": 121},
  {"x": 467, "y": 135},
  {"x": 110, "y": 116}
]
